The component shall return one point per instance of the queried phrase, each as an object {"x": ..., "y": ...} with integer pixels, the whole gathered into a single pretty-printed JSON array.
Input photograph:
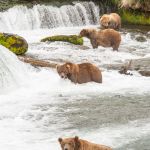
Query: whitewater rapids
[{"x": 37, "y": 106}]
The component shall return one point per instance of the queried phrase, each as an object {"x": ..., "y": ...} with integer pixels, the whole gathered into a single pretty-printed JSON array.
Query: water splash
[{"x": 12, "y": 71}]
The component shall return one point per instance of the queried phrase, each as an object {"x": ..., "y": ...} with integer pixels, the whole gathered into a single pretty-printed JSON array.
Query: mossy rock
[
  {"x": 14, "y": 43},
  {"x": 74, "y": 39}
]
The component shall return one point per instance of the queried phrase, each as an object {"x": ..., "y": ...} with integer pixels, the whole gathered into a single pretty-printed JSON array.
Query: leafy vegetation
[{"x": 133, "y": 17}]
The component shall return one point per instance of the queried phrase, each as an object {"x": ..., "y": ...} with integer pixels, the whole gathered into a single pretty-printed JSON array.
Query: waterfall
[
  {"x": 41, "y": 16},
  {"x": 12, "y": 71}
]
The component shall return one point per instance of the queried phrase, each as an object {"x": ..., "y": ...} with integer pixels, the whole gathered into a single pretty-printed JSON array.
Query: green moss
[
  {"x": 134, "y": 18},
  {"x": 14, "y": 43},
  {"x": 74, "y": 39}
]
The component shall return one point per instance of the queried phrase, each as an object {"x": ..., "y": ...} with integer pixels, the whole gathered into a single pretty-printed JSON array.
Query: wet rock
[
  {"x": 141, "y": 39},
  {"x": 145, "y": 73},
  {"x": 141, "y": 65},
  {"x": 14, "y": 43},
  {"x": 74, "y": 39}
]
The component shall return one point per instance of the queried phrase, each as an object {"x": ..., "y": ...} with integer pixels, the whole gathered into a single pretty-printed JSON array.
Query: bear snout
[
  {"x": 63, "y": 76},
  {"x": 67, "y": 147}
]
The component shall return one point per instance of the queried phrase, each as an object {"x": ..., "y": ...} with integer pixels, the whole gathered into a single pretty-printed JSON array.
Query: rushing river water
[{"x": 37, "y": 107}]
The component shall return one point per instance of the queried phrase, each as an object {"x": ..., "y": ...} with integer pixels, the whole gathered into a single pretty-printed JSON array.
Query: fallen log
[
  {"x": 124, "y": 69},
  {"x": 36, "y": 62}
]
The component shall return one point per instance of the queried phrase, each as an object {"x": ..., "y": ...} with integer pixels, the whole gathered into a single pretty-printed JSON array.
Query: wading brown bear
[
  {"x": 80, "y": 73},
  {"x": 105, "y": 38},
  {"x": 111, "y": 20},
  {"x": 79, "y": 144}
]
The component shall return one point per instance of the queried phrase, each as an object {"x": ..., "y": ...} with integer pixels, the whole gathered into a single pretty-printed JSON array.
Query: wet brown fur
[
  {"x": 79, "y": 144},
  {"x": 111, "y": 20},
  {"x": 80, "y": 73},
  {"x": 105, "y": 38}
]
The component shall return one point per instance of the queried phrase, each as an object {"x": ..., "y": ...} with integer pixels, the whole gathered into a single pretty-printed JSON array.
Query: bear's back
[
  {"x": 86, "y": 145},
  {"x": 89, "y": 72}
]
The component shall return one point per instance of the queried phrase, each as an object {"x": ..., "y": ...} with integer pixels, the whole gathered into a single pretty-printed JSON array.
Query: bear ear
[
  {"x": 77, "y": 143},
  {"x": 57, "y": 66},
  {"x": 100, "y": 18},
  {"x": 60, "y": 140},
  {"x": 83, "y": 31},
  {"x": 76, "y": 138},
  {"x": 68, "y": 66}
]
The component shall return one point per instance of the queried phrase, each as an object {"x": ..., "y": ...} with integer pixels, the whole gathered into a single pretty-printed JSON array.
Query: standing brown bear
[
  {"x": 80, "y": 73},
  {"x": 111, "y": 20},
  {"x": 105, "y": 38},
  {"x": 79, "y": 144}
]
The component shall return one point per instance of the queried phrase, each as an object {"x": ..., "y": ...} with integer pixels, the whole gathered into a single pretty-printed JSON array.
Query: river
[{"x": 37, "y": 107}]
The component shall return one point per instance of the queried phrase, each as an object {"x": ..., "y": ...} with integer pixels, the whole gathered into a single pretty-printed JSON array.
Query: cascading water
[
  {"x": 12, "y": 71},
  {"x": 41, "y": 16}
]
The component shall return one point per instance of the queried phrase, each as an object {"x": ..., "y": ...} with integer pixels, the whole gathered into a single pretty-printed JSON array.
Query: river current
[{"x": 37, "y": 107}]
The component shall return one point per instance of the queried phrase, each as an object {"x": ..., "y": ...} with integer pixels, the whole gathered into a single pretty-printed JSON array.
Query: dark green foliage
[{"x": 134, "y": 17}]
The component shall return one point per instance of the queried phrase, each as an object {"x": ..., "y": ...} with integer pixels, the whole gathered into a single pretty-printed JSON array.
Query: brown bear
[
  {"x": 79, "y": 144},
  {"x": 80, "y": 73},
  {"x": 105, "y": 38},
  {"x": 111, "y": 20}
]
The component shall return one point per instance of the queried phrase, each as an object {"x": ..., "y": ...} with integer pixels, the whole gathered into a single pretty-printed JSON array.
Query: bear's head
[
  {"x": 69, "y": 143},
  {"x": 104, "y": 21},
  {"x": 87, "y": 32},
  {"x": 66, "y": 70}
]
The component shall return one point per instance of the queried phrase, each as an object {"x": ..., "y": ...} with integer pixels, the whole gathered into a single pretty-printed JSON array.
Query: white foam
[
  {"x": 19, "y": 106},
  {"x": 12, "y": 72}
]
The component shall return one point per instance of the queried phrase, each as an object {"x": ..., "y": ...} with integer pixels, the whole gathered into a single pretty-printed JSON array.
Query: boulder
[
  {"x": 74, "y": 39},
  {"x": 14, "y": 43}
]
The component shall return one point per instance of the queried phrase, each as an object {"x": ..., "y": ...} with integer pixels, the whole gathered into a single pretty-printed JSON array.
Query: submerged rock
[
  {"x": 74, "y": 39},
  {"x": 14, "y": 43},
  {"x": 140, "y": 39}
]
